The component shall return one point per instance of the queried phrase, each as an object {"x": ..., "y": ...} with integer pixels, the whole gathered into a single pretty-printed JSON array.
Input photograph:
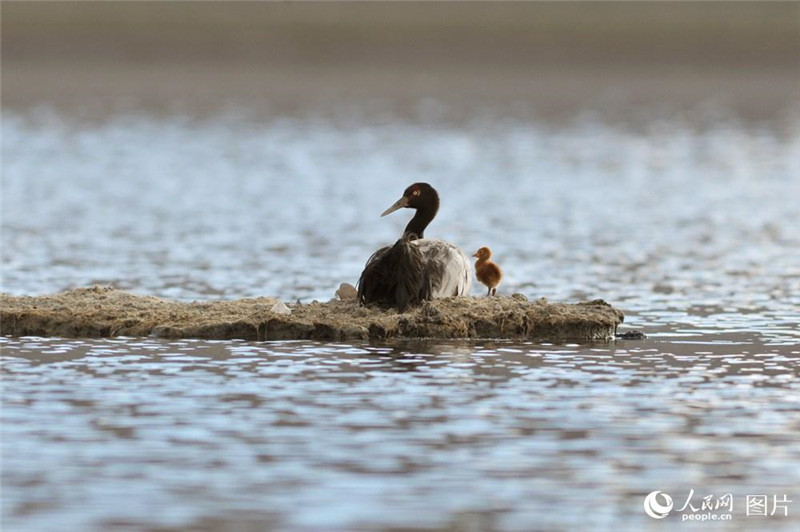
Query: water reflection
[
  {"x": 690, "y": 226},
  {"x": 168, "y": 434},
  {"x": 671, "y": 215}
]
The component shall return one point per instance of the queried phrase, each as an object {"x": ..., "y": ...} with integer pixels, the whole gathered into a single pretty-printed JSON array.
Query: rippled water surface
[
  {"x": 691, "y": 228},
  {"x": 332, "y": 436}
]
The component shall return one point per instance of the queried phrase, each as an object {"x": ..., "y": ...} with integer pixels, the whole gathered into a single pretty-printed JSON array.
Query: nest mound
[{"x": 104, "y": 312}]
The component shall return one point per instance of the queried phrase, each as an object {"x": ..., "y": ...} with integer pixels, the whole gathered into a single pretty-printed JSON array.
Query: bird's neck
[{"x": 420, "y": 221}]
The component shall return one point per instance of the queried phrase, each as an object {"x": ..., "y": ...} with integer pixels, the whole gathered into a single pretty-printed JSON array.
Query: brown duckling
[{"x": 487, "y": 271}]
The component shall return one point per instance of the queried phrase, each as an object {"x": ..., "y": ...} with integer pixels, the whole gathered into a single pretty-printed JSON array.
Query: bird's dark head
[{"x": 420, "y": 196}]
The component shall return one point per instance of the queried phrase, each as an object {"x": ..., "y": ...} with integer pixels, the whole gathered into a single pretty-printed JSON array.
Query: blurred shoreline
[{"x": 551, "y": 60}]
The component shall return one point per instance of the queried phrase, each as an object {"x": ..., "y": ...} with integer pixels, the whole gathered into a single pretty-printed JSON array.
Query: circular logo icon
[{"x": 656, "y": 509}]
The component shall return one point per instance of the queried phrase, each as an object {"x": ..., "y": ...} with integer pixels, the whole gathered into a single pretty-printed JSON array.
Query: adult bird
[{"x": 415, "y": 268}]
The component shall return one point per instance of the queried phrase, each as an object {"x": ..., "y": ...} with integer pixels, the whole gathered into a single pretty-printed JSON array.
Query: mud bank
[{"x": 104, "y": 312}]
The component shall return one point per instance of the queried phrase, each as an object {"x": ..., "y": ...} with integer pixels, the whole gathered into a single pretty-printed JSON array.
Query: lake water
[{"x": 688, "y": 223}]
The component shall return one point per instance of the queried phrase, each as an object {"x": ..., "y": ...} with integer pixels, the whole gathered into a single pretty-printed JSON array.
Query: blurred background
[
  {"x": 207, "y": 149},
  {"x": 642, "y": 153},
  {"x": 556, "y": 57}
]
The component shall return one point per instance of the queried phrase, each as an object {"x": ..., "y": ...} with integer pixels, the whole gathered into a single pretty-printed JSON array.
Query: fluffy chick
[{"x": 487, "y": 271}]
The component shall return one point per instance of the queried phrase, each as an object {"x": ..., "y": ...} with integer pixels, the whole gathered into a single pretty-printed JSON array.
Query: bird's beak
[
  {"x": 399, "y": 204},
  {"x": 475, "y": 255}
]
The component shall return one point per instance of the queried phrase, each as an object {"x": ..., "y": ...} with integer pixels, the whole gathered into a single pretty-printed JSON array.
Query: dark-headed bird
[
  {"x": 415, "y": 268},
  {"x": 487, "y": 271}
]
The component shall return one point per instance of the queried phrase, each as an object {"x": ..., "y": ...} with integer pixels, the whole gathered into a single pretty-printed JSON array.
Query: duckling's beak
[
  {"x": 475, "y": 255},
  {"x": 399, "y": 204}
]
